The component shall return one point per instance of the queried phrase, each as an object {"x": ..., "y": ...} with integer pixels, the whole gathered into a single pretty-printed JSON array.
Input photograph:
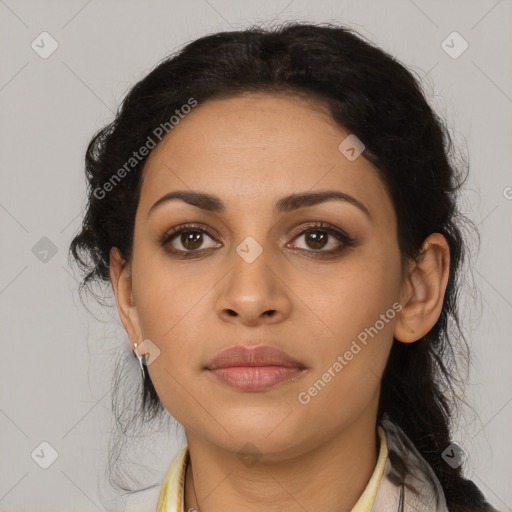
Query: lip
[
  {"x": 254, "y": 369},
  {"x": 261, "y": 355}
]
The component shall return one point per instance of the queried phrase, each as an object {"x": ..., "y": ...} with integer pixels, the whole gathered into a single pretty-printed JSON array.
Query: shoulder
[
  {"x": 409, "y": 477},
  {"x": 167, "y": 493}
]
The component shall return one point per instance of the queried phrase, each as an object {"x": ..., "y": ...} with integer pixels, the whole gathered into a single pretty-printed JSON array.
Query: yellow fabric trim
[
  {"x": 172, "y": 499},
  {"x": 365, "y": 502}
]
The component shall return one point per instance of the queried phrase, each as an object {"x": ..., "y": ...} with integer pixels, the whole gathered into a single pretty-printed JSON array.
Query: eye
[
  {"x": 321, "y": 235},
  {"x": 187, "y": 239}
]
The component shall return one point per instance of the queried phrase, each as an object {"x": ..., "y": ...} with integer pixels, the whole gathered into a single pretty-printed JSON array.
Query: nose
[{"x": 254, "y": 293}]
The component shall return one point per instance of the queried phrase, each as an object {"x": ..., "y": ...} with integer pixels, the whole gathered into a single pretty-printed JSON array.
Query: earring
[{"x": 141, "y": 364}]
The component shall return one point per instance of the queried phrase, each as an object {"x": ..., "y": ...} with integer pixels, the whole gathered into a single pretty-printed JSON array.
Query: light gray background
[{"x": 55, "y": 362}]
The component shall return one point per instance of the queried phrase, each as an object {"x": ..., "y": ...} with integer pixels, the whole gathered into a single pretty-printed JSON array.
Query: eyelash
[{"x": 345, "y": 239}]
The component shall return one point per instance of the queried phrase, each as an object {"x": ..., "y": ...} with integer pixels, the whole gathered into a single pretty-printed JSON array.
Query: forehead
[{"x": 255, "y": 148}]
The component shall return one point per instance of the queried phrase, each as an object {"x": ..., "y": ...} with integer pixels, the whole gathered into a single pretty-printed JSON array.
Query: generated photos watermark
[
  {"x": 305, "y": 397},
  {"x": 137, "y": 156}
]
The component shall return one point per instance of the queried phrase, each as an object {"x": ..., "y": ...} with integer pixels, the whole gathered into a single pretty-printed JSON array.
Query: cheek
[
  {"x": 165, "y": 294},
  {"x": 352, "y": 327},
  {"x": 353, "y": 297},
  {"x": 170, "y": 309},
  {"x": 349, "y": 364},
  {"x": 165, "y": 318}
]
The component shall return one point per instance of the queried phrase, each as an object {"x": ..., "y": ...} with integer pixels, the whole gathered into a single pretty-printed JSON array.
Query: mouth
[
  {"x": 254, "y": 369},
  {"x": 256, "y": 378}
]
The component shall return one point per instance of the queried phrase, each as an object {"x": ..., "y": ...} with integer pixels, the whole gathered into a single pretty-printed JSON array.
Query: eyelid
[
  {"x": 185, "y": 227},
  {"x": 344, "y": 239},
  {"x": 199, "y": 226},
  {"x": 321, "y": 225}
]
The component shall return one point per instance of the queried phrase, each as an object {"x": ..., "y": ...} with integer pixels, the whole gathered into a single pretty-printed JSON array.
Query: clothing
[
  {"x": 380, "y": 494},
  {"x": 172, "y": 495}
]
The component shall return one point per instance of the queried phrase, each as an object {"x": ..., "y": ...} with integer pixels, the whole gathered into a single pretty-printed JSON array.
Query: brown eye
[
  {"x": 322, "y": 238},
  {"x": 187, "y": 239},
  {"x": 316, "y": 239},
  {"x": 191, "y": 240}
]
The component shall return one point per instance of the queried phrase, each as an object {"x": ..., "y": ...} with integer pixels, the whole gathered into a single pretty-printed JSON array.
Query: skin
[{"x": 251, "y": 150}]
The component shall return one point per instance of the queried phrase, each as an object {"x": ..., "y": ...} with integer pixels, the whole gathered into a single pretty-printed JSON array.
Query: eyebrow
[{"x": 288, "y": 203}]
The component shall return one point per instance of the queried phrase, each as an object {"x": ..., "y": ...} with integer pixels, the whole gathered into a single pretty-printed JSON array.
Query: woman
[{"x": 276, "y": 213}]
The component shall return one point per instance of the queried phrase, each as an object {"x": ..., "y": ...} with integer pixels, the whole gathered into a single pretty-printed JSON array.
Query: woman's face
[{"x": 256, "y": 276}]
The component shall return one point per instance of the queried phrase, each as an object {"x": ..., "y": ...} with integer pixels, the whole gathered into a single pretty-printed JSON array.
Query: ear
[
  {"x": 423, "y": 290},
  {"x": 120, "y": 277}
]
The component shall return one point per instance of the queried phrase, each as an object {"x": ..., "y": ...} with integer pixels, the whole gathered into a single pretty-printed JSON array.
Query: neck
[{"x": 330, "y": 476}]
